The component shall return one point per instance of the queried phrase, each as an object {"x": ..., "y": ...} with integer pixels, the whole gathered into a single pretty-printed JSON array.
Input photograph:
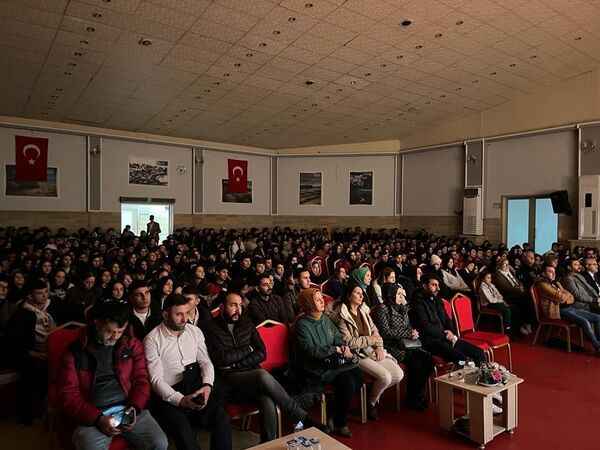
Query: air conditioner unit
[
  {"x": 473, "y": 212},
  {"x": 589, "y": 206}
]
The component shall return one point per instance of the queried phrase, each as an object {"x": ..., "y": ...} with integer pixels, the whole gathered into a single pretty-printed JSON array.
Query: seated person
[
  {"x": 490, "y": 297},
  {"x": 182, "y": 378},
  {"x": 435, "y": 327},
  {"x": 106, "y": 369},
  {"x": 336, "y": 285},
  {"x": 558, "y": 303},
  {"x": 591, "y": 274},
  {"x": 264, "y": 305},
  {"x": 297, "y": 281},
  {"x": 387, "y": 276},
  {"x": 236, "y": 350},
  {"x": 319, "y": 347},
  {"x": 514, "y": 293},
  {"x": 7, "y": 308},
  {"x": 391, "y": 319},
  {"x": 452, "y": 277},
  {"x": 80, "y": 297},
  {"x": 361, "y": 335},
  {"x": 27, "y": 331},
  {"x": 143, "y": 317},
  {"x": 198, "y": 312},
  {"x": 363, "y": 277}
]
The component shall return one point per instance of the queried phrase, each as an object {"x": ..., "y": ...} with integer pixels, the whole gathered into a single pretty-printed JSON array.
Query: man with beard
[
  {"x": 104, "y": 381},
  {"x": 264, "y": 305},
  {"x": 237, "y": 350},
  {"x": 182, "y": 377}
]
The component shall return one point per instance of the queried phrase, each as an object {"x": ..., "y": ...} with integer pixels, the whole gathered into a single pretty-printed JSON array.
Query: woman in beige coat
[{"x": 361, "y": 335}]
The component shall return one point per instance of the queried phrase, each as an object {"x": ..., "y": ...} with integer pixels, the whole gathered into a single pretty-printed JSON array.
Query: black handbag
[
  {"x": 337, "y": 361},
  {"x": 192, "y": 379},
  {"x": 411, "y": 344}
]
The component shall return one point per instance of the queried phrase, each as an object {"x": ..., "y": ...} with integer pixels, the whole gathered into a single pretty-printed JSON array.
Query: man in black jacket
[
  {"x": 143, "y": 318},
  {"x": 435, "y": 327},
  {"x": 264, "y": 305},
  {"x": 236, "y": 350}
]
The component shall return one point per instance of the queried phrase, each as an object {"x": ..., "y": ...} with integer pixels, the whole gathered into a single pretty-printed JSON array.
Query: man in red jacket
[{"x": 104, "y": 385}]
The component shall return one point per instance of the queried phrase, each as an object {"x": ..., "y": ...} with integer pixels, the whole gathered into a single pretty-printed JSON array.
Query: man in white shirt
[{"x": 182, "y": 378}]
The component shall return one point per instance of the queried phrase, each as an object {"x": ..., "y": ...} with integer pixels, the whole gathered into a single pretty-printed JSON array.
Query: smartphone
[
  {"x": 128, "y": 418},
  {"x": 199, "y": 400}
]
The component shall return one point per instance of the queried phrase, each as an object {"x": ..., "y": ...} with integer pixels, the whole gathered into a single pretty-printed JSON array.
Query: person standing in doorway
[{"x": 153, "y": 229}]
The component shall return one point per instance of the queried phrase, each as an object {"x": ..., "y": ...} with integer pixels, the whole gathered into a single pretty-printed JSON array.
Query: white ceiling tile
[
  {"x": 227, "y": 16},
  {"x": 300, "y": 54},
  {"x": 350, "y": 20}
]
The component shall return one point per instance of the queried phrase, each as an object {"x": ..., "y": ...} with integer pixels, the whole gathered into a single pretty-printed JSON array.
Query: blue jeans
[
  {"x": 146, "y": 434},
  {"x": 588, "y": 321}
]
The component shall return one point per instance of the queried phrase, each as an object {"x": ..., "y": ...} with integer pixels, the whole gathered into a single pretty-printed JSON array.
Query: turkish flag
[
  {"x": 238, "y": 175},
  {"x": 31, "y": 158}
]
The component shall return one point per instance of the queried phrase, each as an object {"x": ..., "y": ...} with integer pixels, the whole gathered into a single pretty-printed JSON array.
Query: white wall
[
  {"x": 215, "y": 170},
  {"x": 433, "y": 182},
  {"x": 530, "y": 165},
  {"x": 67, "y": 153},
  {"x": 336, "y": 185},
  {"x": 115, "y": 175}
]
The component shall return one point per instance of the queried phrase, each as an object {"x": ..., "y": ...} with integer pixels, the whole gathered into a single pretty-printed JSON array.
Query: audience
[
  {"x": 251, "y": 276},
  {"x": 103, "y": 379},
  {"x": 490, "y": 297}
]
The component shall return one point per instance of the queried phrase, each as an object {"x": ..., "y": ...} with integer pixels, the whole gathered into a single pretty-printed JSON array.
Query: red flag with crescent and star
[
  {"x": 238, "y": 176},
  {"x": 31, "y": 158}
]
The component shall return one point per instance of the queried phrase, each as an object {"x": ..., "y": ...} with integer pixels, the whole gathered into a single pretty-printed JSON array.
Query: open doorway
[
  {"x": 137, "y": 215},
  {"x": 532, "y": 220}
]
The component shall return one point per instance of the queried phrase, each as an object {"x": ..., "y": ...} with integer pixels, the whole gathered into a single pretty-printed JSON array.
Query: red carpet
[{"x": 559, "y": 407}]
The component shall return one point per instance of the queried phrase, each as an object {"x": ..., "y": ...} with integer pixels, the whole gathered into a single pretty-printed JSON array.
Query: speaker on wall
[{"x": 560, "y": 203}]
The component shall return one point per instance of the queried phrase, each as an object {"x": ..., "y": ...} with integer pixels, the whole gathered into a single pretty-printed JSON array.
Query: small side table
[{"x": 481, "y": 425}]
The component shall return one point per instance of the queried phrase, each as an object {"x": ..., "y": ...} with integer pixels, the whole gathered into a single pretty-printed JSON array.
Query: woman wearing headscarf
[
  {"x": 361, "y": 335},
  {"x": 391, "y": 319},
  {"x": 362, "y": 277},
  {"x": 322, "y": 358}
]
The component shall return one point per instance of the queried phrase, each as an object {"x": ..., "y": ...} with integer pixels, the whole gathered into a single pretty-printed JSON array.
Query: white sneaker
[
  {"x": 496, "y": 410},
  {"x": 497, "y": 397},
  {"x": 525, "y": 331}
]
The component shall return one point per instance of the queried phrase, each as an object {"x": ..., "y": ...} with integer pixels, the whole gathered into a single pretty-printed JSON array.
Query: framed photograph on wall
[
  {"x": 148, "y": 172},
  {"x": 13, "y": 188},
  {"x": 361, "y": 188},
  {"x": 235, "y": 197},
  {"x": 310, "y": 189}
]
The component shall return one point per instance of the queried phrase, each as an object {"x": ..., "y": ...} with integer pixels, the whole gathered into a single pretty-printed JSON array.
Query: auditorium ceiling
[{"x": 284, "y": 73}]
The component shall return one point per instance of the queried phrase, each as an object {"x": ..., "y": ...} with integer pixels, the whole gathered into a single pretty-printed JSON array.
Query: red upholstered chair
[
  {"x": 482, "y": 344},
  {"x": 275, "y": 335},
  {"x": 58, "y": 342},
  {"x": 552, "y": 323},
  {"x": 465, "y": 325}
]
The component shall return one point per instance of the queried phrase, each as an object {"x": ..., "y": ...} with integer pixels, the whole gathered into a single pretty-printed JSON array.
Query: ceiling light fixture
[
  {"x": 460, "y": 22},
  {"x": 533, "y": 57},
  {"x": 90, "y": 29},
  {"x": 578, "y": 38},
  {"x": 226, "y": 74},
  {"x": 237, "y": 65},
  {"x": 438, "y": 35},
  {"x": 217, "y": 83},
  {"x": 291, "y": 19},
  {"x": 276, "y": 32},
  {"x": 78, "y": 54},
  {"x": 262, "y": 44},
  {"x": 309, "y": 82},
  {"x": 512, "y": 65},
  {"x": 308, "y": 5},
  {"x": 459, "y": 89},
  {"x": 249, "y": 55},
  {"x": 368, "y": 74},
  {"x": 352, "y": 82},
  {"x": 84, "y": 42},
  {"x": 145, "y": 42},
  {"x": 493, "y": 73},
  {"x": 97, "y": 15},
  {"x": 207, "y": 90},
  {"x": 418, "y": 47},
  {"x": 475, "y": 81},
  {"x": 314, "y": 105},
  {"x": 406, "y": 23},
  {"x": 72, "y": 64},
  {"x": 68, "y": 74},
  {"x": 59, "y": 89},
  {"x": 399, "y": 56},
  {"x": 383, "y": 66}
]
